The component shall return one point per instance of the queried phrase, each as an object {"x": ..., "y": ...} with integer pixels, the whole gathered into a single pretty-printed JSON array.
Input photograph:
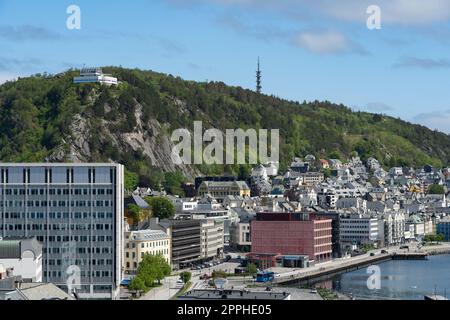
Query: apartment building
[
  {"x": 76, "y": 212},
  {"x": 212, "y": 240},
  {"x": 139, "y": 243},
  {"x": 358, "y": 229}
]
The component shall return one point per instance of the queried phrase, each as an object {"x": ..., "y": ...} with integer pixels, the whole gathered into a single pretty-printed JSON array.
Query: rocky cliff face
[{"x": 151, "y": 139}]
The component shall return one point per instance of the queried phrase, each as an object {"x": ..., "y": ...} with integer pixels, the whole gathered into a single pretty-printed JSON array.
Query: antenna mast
[{"x": 258, "y": 78}]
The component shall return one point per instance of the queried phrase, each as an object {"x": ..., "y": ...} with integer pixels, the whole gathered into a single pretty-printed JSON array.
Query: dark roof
[
  {"x": 10, "y": 249},
  {"x": 13, "y": 248}
]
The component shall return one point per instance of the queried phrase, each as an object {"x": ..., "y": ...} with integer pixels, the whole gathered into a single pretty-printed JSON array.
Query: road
[
  {"x": 169, "y": 288},
  {"x": 287, "y": 273}
]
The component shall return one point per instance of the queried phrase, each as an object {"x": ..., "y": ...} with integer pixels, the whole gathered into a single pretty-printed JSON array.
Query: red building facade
[{"x": 292, "y": 234}]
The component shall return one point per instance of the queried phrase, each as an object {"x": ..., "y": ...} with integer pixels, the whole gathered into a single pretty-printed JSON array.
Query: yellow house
[
  {"x": 220, "y": 189},
  {"x": 138, "y": 243}
]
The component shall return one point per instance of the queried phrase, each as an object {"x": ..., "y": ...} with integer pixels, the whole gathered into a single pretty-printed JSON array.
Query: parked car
[
  {"x": 384, "y": 252},
  {"x": 372, "y": 254},
  {"x": 313, "y": 291}
]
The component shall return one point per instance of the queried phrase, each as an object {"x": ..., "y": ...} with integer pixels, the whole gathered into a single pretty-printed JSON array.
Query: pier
[{"x": 338, "y": 267}]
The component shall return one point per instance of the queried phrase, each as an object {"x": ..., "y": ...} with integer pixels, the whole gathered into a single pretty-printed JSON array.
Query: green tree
[
  {"x": 252, "y": 269},
  {"x": 162, "y": 268},
  {"x": 436, "y": 189},
  {"x": 244, "y": 173},
  {"x": 161, "y": 207},
  {"x": 134, "y": 212},
  {"x": 173, "y": 182},
  {"x": 131, "y": 180},
  {"x": 186, "y": 276},
  {"x": 153, "y": 268},
  {"x": 138, "y": 284}
]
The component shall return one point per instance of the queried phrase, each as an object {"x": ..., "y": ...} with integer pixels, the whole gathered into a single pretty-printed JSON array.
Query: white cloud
[
  {"x": 436, "y": 120},
  {"x": 422, "y": 63},
  {"x": 402, "y": 12},
  {"x": 323, "y": 42}
]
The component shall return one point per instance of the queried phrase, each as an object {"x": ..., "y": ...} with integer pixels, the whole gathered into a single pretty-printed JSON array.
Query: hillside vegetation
[{"x": 46, "y": 117}]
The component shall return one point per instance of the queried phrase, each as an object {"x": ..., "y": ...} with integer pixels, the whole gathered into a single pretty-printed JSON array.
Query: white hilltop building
[{"x": 94, "y": 75}]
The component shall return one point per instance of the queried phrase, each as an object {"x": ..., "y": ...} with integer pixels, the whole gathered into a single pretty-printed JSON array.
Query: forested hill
[{"x": 47, "y": 117}]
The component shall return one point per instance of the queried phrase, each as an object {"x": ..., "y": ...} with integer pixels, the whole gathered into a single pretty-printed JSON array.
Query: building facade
[
  {"x": 443, "y": 227},
  {"x": 76, "y": 212},
  {"x": 212, "y": 240},
  {"x": 292, "y": 234},
  {"x": 139, "y": 243},
  {"x": 94, "y": 75},
  {"x": 358, "y": 229},
  {"x": 221, "y": 189},
  {"x": 185, "y": 236}
]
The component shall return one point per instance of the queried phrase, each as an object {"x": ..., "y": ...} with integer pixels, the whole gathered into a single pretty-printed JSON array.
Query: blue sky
[{"x": 309, "y": 49}]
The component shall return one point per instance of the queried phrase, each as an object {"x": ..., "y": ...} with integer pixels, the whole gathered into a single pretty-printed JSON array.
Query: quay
[{"x": 338, "y": 267}]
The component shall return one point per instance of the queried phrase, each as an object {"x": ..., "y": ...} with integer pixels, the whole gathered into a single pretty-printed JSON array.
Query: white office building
[
  {"x": 76, "y": 212},
  {"x": 358, "y": 229},
  {"x": 95, "y": 75}
]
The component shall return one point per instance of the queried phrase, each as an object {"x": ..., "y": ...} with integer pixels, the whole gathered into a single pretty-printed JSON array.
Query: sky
[{"x": 309, "y": 49}]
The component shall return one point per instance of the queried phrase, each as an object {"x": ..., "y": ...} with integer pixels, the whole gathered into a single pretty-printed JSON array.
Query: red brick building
[{"x": 291, "y": 234}]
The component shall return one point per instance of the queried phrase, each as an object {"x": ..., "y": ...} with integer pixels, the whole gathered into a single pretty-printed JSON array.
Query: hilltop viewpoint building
[
  {"x": 76, "y": 212},
  {"x": 94, "y": 75}
]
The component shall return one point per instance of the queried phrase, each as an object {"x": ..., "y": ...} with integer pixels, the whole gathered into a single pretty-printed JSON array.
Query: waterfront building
[
  {"x": 443, "y": 227},
  {"x": 23, "y": 256},
  {"x": 94, "y": 75},
  {"x": 76, "y": 212},
  {"x": 291, "y": 234},
  {"x": 358, "y": 229},
  {"x": 393, "y": 227},
  {"x": 141, "y": 242}
]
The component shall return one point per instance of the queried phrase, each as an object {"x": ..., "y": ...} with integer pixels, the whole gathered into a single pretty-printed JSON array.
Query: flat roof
[
  {"x": 233, "y": 295},
  {"x": 51, "y": 164}
]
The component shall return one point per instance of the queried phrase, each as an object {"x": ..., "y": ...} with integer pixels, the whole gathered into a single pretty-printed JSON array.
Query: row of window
[
  {"x": 83, "y": 274},
  {"x": 57, "y": 215},
  {"x": 55, "y": 191},
  {"x": 82, "y": 262},
  {"x": 56, "y": 227},
  {"x": 55, "y": 203},
  {"x": 75, "y": 238},
  {"x": 156, "y": 252},
  {"x": 153, "y": 244},
  {"x": 83, "y": 250}
]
